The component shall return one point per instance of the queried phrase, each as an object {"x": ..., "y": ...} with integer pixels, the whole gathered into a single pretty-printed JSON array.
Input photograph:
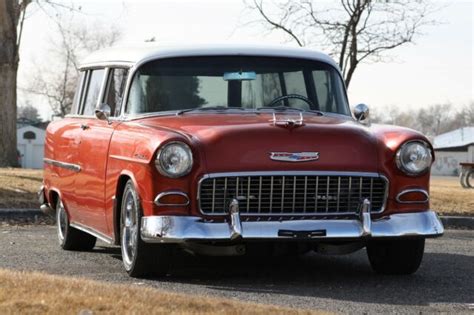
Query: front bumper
[
  {"x": 45, "y": 206},
  {"x": 179, "y": 229}
]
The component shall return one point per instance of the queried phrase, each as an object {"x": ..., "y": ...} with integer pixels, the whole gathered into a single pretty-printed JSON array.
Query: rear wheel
[
  {"x": 69, "y": 237},
  {"x": 139, "y": 258},
  {"x": 396, "y": 256}
]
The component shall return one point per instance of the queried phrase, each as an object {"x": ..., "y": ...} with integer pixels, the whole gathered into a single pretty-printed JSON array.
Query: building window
[{"x": 29, "y": 135}]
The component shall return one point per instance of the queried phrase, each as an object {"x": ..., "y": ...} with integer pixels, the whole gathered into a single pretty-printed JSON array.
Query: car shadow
[
  {"x": 113, "y": 252},
  {"x": 442, "y": 278}
]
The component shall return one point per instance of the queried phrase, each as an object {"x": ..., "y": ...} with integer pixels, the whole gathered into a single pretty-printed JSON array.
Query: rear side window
[
  {"x": 93, "y": 91},
  {"x": 77, "y": 94},
  {"x": 115, "y": 89}
]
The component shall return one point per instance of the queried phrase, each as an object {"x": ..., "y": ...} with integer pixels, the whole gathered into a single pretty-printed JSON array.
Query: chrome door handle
[{"x": 84, "y": 127}]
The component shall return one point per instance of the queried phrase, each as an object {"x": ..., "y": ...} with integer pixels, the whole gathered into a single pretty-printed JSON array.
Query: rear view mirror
[
  {"x": 102, "y": 112},
  {"x": 240, "y": 76},
  {"x": 361, "y": 112}
]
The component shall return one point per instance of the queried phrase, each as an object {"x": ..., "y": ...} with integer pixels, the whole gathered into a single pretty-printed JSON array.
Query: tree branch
[
  {"x": 275, "y": 24},
  {"x": 352, "y": 30}
]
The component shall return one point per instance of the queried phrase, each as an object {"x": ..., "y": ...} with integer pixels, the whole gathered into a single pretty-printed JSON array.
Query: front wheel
[
  {"x": 139, "y": 258},
  {"x": 398, "y": 257}
]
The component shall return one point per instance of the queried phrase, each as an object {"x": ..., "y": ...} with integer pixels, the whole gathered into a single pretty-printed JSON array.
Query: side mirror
[
  {"x": 102, "y": 112},
  {"x": 361, "y": 112}
]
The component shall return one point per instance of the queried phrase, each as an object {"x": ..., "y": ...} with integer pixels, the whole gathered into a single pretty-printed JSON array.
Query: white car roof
[{"x": 138, "y": 54}]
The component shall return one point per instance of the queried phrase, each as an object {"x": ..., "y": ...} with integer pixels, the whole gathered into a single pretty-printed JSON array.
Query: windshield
[{"x": 242, "y": 82}]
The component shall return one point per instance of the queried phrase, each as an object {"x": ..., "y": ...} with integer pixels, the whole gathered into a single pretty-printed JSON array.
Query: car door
[
  {"x": 93, "y": 150},
  {"x": 62, "y": 150}
]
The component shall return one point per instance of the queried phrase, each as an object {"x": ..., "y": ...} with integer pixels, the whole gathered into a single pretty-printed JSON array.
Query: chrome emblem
[{"x": 294, "y": 157}]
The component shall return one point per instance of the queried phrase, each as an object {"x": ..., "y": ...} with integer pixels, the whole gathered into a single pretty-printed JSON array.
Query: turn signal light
[
  {"x": 413, "y": 196},
  {"x": 172, "y": 198}
]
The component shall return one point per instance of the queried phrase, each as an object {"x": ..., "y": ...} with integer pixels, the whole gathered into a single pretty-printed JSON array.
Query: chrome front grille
[{"x": 297, "y": 193}]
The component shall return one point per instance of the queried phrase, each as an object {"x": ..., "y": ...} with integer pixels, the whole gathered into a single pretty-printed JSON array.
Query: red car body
[{"x": 89, "y": 161}]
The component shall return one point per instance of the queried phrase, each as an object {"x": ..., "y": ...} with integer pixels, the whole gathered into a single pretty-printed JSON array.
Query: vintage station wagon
[{"x": 222, "y": 150}]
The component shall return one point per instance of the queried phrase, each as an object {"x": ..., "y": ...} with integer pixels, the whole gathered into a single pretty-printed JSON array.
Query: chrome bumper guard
[
  {"x": 45, "y": 207},
  {"x": 179, "y": 229}
]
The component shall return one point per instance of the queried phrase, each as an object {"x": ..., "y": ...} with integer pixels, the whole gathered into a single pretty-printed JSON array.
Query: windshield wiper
[
  {"x": 285, "y": 108},
  {"x": 211, "y": 108}
]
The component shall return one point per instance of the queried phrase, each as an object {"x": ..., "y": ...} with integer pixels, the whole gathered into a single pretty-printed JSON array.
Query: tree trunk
[
  {"x": 8, "y": 144},
  {"x": 9, "y": 12}
]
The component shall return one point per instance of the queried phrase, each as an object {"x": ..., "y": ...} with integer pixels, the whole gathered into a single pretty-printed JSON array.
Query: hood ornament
[
  {"x": 294, "y": 156},
  {"x": 288, "y": 122}
]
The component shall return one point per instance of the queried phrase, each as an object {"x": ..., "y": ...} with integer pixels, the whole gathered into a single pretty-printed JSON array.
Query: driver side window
[
  {"x": 92, "y": 92},
  {"x": 115, "y": 89},
  {"x": 324, "y": 90}
]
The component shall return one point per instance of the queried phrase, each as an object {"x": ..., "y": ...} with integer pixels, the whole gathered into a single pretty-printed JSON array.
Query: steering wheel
[{"x": 291, "y": 96}]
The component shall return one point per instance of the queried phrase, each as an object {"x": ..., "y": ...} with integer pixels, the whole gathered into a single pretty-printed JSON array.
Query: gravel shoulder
[{"x": 342, "y": 284}]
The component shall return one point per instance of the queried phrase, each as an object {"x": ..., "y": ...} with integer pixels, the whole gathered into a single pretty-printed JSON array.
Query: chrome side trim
[
  {"x": 293, "y": 173},
  {"x": 92, "y": 232},
  {"x": 128, "y": 159},
  {"x": 179, "y": 229},
  {"x": 68, "y": 166},
  {"x": 406, "y": 191},
  {"x": 167, "y": 193}
]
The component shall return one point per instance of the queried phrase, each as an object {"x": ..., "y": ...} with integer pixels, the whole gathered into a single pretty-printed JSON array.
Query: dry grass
[
  {"x": 35, "y": 293},
  {"x": 18, "y": 187},
  {"x": 448, "y": 197}
]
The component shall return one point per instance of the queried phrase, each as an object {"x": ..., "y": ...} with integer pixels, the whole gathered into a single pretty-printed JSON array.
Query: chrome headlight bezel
[
  {"x": 160, "y": 163},
  {"x": 403, "y": 167}
]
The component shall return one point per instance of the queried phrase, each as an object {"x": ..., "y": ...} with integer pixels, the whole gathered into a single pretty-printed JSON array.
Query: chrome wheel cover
[
  {"x": 61, "y": 221},
  {"x": 129, "y": 235}
]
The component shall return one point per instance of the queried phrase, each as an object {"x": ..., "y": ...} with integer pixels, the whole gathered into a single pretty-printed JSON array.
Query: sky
[{"x": 437, "y": 69}]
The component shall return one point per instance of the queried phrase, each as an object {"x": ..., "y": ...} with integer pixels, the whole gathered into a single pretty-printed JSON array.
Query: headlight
[
  {"x": 414, "y": 158},
  {"x": 174, "y": 159}
]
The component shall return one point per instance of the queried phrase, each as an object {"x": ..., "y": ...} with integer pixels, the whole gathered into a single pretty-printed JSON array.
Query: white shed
[
  {"x": 452, "y": 148},
  {"x": 30, "y": 143}
]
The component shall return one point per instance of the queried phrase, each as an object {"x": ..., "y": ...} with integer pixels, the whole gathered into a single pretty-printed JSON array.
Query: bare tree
[
  {"x": 465, "y": 117},
  {"x": 432, "y": 120},
  {"x": 12, "y": 17},
  {"x": 28, "y": 112},
  {"x": 57, "y": 84},
  {"x": 352, "y": 31},
  {"x": 435, "y": 119}
]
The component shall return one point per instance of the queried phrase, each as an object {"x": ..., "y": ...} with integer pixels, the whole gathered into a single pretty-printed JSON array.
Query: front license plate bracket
[{"x": 301, "y": 234}]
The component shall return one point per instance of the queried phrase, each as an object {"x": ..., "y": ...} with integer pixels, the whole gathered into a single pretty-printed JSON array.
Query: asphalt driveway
[{"x": 444, "y": 283}]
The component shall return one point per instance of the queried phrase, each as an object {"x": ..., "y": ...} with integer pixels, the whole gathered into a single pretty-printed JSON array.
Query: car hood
[{"x": 244, "y": 142}]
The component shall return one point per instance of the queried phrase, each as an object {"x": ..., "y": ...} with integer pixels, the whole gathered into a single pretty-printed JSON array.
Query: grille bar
[{"x": 292, "y": 193}]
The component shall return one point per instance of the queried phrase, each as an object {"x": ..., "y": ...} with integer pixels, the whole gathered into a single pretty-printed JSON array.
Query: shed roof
[{"x": 457, "y": 138}]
